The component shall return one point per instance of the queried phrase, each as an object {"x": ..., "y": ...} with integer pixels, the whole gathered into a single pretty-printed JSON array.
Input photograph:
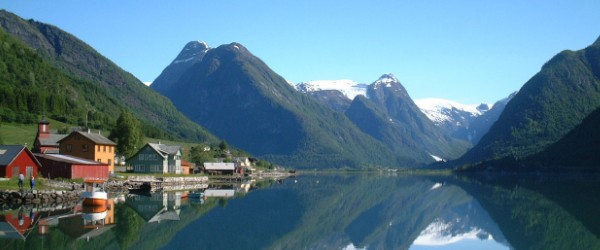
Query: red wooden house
[{"x": 15, "y": 159}]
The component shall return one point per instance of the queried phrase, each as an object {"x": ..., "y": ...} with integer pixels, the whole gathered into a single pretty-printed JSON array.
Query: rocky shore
[
  {"x": 66, "y": 192},
  {"x": 116, "y": 185},
  {"x": 38, "y": 198}
]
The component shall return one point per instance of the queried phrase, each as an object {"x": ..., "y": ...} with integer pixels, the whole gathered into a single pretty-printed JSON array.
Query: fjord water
[{"x": 345, "y": 211}]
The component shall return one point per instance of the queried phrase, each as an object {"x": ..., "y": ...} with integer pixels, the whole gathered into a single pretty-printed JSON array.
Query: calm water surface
[{"x": 353, "y": 211}]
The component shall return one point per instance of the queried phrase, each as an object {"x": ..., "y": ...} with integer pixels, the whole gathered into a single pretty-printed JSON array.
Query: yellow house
[{"x": 92, "y": 146}]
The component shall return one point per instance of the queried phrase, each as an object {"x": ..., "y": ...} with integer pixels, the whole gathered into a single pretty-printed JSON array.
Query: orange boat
[{"x": 94, "y": 194}]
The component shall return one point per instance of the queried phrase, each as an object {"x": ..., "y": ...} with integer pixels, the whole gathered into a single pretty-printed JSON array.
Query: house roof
[
  {"x": 96, "y": 138},
  {"x": 68, "y": 159},
  {"x": 165, "y": 215},
  {"x": 165, "y": 150},
  {"x": 219, "y": 166},
  {"x": 8, "y": 153},
  {"x": 52, "y": 139},
  {"x": 186, "y": 163}
]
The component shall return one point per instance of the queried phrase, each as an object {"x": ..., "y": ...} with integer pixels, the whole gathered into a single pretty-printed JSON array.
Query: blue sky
[{"x": 467, "y": 51}]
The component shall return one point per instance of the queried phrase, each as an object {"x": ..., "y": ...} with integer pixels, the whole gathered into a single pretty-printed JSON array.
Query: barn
[
  {"x": 71, "y": 167},
  {"x": 15, "y": 159}
]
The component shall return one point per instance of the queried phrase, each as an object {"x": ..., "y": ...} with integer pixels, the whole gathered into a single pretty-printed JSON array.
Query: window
[
  {"x": 99, "y": 160},
  {"x": 109, "y": 162},
  {"x": 105, "y": 148},
  {"x": 84, "y": 147},
  {"x": 69, "y": 147}
]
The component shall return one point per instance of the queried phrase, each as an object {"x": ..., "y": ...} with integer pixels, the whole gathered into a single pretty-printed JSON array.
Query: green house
[{"x": 157, "y": 158}]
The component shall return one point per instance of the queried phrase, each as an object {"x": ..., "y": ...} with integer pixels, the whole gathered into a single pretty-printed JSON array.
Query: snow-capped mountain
[
  {"x": 465, "y": 122},
  {"x": 468, "y": 222},
  {"x": 386, "y": 81},
  {"x": 349, "y": 88},
  {"x": 455, "y": 118},
  {"x": 442, "y": 111},
  {"x": 436, "y": 234}
]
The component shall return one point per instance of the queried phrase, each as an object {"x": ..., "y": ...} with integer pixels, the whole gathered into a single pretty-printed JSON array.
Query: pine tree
[{"x": 127, "y": 134}]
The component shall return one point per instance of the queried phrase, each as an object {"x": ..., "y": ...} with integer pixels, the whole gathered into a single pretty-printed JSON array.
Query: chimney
[{"x": 89, "y": 130}]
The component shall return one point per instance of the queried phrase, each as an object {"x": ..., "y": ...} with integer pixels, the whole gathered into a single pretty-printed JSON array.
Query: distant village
[{"x": 85, "y": 154}]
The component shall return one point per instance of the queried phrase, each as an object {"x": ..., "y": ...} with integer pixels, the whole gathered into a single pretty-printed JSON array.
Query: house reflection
[
  {"x": 157, "y": 207},
  {"x": 17, "y": 225}
]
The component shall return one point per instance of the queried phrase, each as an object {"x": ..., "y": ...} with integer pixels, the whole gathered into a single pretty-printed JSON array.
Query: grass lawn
[
  {"x": 13, "y": 184},
  {"x": 18, "y": 134}
]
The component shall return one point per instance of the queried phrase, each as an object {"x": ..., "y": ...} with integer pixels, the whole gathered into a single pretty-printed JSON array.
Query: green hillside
[
  {"x": 547, "y": 107},
  {"x": 46, "y": 69}
]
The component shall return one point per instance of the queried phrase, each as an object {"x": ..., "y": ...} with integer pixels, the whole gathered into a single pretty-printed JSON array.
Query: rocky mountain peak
[
  {"x": 483, "y": 107},
  {"x": 192, "y": 51},
  {"x": 387, "y": 80}
]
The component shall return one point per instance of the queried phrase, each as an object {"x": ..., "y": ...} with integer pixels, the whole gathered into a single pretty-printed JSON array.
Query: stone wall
[{"x": 35, "y": 197}]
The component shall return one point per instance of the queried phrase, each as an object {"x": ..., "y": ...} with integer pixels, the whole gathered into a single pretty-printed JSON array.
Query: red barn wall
[
  {"x": 22, "y": 161},
  {"x": 90, "y": 171}
]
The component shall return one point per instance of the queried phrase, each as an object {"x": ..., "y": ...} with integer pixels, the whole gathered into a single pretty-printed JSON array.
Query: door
[
  {"x": 28, "y": 171},
  {"x": 15, "y": 171}
]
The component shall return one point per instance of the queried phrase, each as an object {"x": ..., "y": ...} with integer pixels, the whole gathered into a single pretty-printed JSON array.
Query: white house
[{"x": 219, "y": 167}]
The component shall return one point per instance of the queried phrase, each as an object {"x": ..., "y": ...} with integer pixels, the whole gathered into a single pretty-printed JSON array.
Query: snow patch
[
  {"x": 183, "y": 60},
  {"x": 147, "y": 83},
  {"x": 385, "y": 80},
  {"x": 436, "y": 158},
  {"x": 353, "y": 247},
  {"x": 436, "y": 235},
  {"x": 349, "y": 88},
  {"x": 440, "y": 110},
  {"x": 436, "y": 186}
]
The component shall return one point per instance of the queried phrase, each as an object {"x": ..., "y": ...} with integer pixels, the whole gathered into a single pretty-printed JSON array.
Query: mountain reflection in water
[{"x": 351, "y": 211}]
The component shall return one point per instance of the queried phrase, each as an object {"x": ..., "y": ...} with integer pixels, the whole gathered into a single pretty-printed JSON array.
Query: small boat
[
  {"x": 195, "y": 195},
  {"x": 94, "y": 194}
]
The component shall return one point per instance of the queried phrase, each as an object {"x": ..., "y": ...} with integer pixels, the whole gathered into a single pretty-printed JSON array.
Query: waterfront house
[
  {"x": 71, "y": 167},
  {"x": 157, "y": 158},
  {"x": 45, "y": 141},
  {"x": 242, "y": 163},
  {"x": 15, "y": 159},
  {"x": 91, "y": 146},
  {"x": 219, "y": 168}
]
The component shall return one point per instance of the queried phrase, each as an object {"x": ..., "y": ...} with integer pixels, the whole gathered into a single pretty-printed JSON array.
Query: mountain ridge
[
  {"x": 122, "y": 90},
  {"x": 545, "y": 109},
  {"x": 239, "y": 98}
]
